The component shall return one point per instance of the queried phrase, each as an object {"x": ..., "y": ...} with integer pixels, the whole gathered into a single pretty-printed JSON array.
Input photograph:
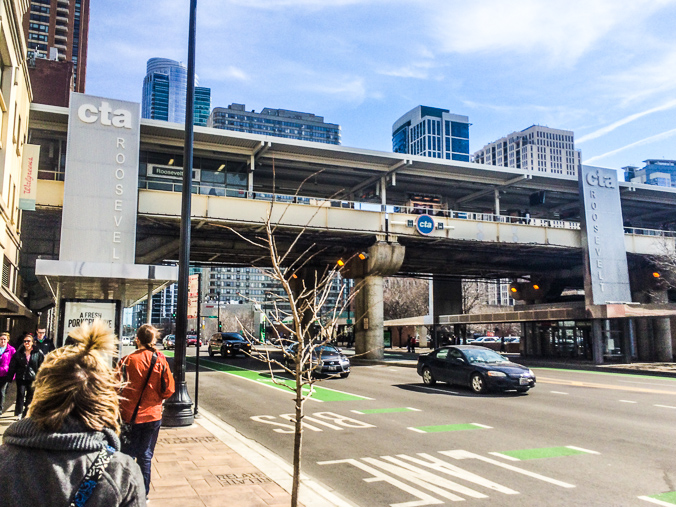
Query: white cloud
[
  {"x": 628, "y": 119},
  {"x": 647, "y": 140},
  {"x": 348, "y": 89},
  {"x": 417, "y": 70},
  {"x": 643, "y": 81},
  {"x": 226, "y": 73},
  {"x": 563, "y": 29}
]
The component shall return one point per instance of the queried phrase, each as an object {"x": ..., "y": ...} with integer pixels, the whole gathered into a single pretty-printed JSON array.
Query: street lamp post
[{"x": 178, "y": 409}]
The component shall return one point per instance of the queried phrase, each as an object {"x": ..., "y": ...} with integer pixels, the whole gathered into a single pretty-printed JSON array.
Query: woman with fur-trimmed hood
[{"x": 71, "y": 431}]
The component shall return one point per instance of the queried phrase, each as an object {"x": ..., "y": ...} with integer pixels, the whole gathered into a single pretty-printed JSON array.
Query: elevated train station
[{"x": 414, "y": 215}]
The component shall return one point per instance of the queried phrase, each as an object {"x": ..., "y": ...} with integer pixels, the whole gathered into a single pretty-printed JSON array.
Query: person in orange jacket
[{"x": 148, "y": 381}]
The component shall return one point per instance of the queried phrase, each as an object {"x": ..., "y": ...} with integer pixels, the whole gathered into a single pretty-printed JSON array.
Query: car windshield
[
  {"x": 326, "y": 349},
  {"x": 484, "y": 356},
  {"x": 234, "y": 337}
]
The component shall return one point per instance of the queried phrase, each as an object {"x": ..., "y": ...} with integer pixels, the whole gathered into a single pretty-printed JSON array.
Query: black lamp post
[{"x": 178, "y": 409}]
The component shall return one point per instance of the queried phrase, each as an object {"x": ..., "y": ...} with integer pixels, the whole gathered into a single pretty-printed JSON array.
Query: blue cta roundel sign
[{"x": 424, "y": 224}]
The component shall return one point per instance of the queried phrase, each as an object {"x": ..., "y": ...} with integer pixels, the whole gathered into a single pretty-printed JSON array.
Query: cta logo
[
  {"x": 424, "y": 224},
  {"x": 89, "y": 113}
]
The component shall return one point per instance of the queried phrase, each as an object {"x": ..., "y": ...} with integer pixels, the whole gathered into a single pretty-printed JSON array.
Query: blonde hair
[{"x": 77, "y": 381}]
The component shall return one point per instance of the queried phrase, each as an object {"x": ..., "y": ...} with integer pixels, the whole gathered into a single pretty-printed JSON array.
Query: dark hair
[{"x": 146, "y": 334}]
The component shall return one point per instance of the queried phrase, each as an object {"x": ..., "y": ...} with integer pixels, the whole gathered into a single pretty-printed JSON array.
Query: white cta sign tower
[{"x": 98, "y": 231}]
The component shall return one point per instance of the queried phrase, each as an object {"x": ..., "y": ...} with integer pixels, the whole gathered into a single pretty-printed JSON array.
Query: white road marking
[
  {"x": 581, "y": 449},
  {"x": 460, "y": 454},
  {"x": 482, "y": 426},
  {"x": 664, "y": 406},
  {"x": 656, "y": 501},
  {"x": 558, "y": 392},
  {"x": 414, "y": 409},
  {"x": 627, "y": 401},
  {"x": 439, "y": 390},
  {"x": 415, "y": 429},
  {"x": 504, "y": 456}
]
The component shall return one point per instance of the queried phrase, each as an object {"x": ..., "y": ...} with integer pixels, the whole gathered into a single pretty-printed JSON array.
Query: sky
[{"x": 605, "y": 69}]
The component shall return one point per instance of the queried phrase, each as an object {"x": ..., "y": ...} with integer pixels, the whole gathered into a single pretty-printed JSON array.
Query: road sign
[{"x": 424, "y": 224}]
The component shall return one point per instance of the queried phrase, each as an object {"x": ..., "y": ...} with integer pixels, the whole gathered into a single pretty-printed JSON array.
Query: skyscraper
[
  {"x": 164, "y": 90},
  {"x": 432, "y": 132},
  {"x": 538, "y": 149},
  {"x": 656, "y": 172},
  {"x": 57, "y": 29},
  {"x": 275, "y": 122}
]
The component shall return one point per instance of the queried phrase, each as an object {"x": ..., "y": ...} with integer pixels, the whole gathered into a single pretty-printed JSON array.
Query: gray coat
[{"x": 42, "y": 468}]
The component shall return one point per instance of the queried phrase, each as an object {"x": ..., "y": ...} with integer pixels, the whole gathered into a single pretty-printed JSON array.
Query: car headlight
[
  {"x": 530, "y": 373},
  {"x": 496, "y": 374}
]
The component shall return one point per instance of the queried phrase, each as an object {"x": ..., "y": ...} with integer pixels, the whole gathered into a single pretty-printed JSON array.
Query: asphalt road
[{"x": 381, "y": 437}]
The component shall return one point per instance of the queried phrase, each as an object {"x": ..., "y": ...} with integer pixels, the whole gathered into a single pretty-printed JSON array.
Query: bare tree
[
  {"x": 405, "y": 297},
  {"x": 304, "y": 316}
]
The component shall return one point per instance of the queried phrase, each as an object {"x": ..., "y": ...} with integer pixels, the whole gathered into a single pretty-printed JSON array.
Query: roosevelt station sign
[
  {"x": 606, "y": 277},
  {"x": 101, "y": 182}
]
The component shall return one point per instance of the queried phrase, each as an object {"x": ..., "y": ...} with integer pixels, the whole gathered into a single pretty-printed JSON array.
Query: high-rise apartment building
[
  {"x": 656, "y": 172},
  {"x": 432, "y": 132},
  {"x": 542, "y": 150},
  {"x": 57, "y": 30},
  {"x": 164, "y": 91},
  {"x": 275, "y": 122}
]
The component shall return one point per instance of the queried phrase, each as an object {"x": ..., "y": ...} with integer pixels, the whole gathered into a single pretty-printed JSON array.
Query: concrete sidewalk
[{"x": 210, "y": 464}]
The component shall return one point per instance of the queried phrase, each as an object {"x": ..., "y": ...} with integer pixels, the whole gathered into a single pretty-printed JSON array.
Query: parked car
[
  {"x": 484, "y": 339},
  {"x": 327, "y": 359},
  {"x": 169, "y": 341},
  {"x": 191, "y": 340},
  {"x": 127, "y": 340},
  {"x": 479, "y": 368},
  {"x": 228, "y": 344}
]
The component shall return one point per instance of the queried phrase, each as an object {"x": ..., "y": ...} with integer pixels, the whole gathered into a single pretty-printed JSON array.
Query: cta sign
[
  {"x": 101, "y": 182},
  {"x": 606, "y": 274},
  {"x": 424, "y": 224}
]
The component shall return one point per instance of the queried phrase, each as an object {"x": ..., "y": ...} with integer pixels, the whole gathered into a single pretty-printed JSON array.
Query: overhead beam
[
  {"x": 488, "y": 191},
  {"x": 370, "y": 181}
]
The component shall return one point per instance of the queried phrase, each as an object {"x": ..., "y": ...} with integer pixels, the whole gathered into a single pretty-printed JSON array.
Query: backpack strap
[{"x": 92, "y": 477}]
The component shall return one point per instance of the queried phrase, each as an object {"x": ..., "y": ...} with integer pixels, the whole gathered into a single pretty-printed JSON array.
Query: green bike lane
[{"x": 316, "y": 393}]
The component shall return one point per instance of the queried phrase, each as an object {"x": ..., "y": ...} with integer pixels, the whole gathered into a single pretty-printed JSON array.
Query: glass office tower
[
  {"x": 164, "y": 90},
  {"x": 432, "y": 132}
]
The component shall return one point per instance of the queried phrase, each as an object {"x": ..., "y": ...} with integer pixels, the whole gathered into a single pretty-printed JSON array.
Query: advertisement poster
[
  {"x": 74, "y": 313},
  {"x": 193, "y": 295}
]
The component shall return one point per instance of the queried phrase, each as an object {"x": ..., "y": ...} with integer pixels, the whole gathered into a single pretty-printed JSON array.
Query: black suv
[{"x": 228, "y": 344}]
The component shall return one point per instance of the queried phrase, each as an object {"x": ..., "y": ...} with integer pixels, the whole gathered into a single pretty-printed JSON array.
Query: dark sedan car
[
  {"x": 326, "y": 359},
  {"x": 479, "y": 368},
  {"x": 228, "y": 344}
]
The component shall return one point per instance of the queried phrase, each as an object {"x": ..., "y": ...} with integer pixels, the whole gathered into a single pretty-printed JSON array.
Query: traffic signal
[{"x": 220, "y": 327}]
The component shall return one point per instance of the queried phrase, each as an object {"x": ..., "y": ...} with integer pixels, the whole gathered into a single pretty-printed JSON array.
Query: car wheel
[
  {"x": 477, "y": 383},
  {"x": 428, "y": 378},
  {"x": 211, "y": 352},
  {"x": 344, "y": 375}
]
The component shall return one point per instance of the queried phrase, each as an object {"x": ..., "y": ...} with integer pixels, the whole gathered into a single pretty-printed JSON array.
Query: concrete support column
[
  {"x": 369, "y": 314},
  {"x": 384, "y": 259},
  {"x": 597, "y": 341},
  {"x": 644, "y": 347},
  {"x": 446, "y": 300},
  {"x": 662, "y": 332}
]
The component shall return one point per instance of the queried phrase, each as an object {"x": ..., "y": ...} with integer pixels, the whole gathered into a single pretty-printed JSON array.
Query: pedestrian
[
  {"x": 408, "y": 343},
  {"x": 148, "y": 381},
  {"x": 23, "y": 368},
  {"x": 66, "y": 451},
  {"x": 6, "y": 353},
  {"x": 42, "y": 343}
]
